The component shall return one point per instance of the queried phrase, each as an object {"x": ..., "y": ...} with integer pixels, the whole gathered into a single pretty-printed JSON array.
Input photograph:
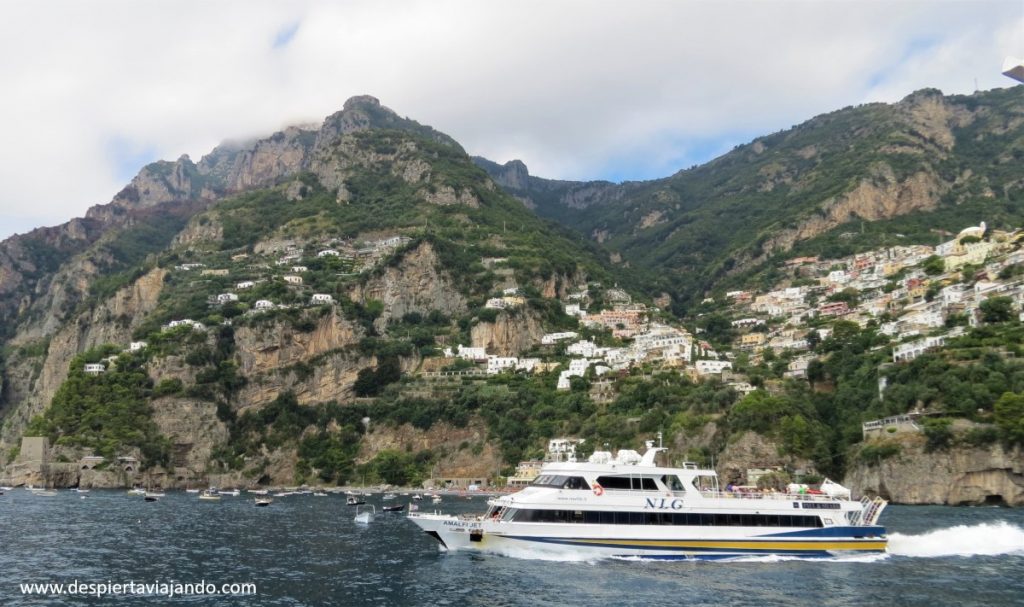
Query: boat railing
[{"x": 771, "y": 495}]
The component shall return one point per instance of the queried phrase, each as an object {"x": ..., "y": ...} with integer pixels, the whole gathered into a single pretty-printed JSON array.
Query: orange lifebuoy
[{"x": 598, "y": 489}]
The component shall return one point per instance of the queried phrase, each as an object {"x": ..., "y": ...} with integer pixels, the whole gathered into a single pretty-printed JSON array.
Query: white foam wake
[{"x": 961, "y": 540}]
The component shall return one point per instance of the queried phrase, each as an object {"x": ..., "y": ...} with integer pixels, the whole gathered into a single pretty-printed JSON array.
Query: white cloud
[{"x": 577, "y": 89}]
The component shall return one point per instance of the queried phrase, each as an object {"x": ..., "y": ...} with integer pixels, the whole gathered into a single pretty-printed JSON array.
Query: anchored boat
[{"x": 628, "y": 506}]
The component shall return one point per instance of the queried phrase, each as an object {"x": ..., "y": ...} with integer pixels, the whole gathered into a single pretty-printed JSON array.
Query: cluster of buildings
[
  {"x": 646, "y": 343},
  {"x": 510, "y": 298},
  {"x": 912, "y": 292}
]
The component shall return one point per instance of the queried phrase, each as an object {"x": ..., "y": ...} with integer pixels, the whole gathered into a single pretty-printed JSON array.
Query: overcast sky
[{"x": 91, "y": 91}]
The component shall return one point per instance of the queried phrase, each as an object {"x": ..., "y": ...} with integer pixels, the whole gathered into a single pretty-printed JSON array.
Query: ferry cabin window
[
  {"x": 673, "y": 483},
  {"x": 561, "y": 482},
  {"x": 693, "y": 519},
  {"x": 576, "y": 482},
  {"x": 635, "y": 483}
]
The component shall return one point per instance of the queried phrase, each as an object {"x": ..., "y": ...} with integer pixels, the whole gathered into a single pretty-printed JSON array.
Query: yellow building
[
  {"x": 525, "y": 474},
  {"x": 751, "y": 340}
]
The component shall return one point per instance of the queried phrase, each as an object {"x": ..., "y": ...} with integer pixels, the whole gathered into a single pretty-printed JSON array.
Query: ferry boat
[{"x": 628, "y": 506}]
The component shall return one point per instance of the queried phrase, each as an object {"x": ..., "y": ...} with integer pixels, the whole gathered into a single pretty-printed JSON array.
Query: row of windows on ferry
[
  {"x": 632, "y": 483},
  {"x": 692, "y": 519}
]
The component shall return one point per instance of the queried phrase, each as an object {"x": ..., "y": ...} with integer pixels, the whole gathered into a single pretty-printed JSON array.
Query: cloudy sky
[{"x": 89, "y": 92}]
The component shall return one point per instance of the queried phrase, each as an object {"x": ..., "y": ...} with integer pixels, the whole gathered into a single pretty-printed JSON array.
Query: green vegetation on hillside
[{"x": 107, "y": 413}]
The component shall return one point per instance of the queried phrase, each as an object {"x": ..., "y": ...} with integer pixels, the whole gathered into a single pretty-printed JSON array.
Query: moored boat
[
  {"x": 209, "y": 496},
  {"x": 628, "y": 506},
  {"x": 395, "y": 508},
  {"x": 354, "y": 501},
  {"x": 263, "y": 502}
]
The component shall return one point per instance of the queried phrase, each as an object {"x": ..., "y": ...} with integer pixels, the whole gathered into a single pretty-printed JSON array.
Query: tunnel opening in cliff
[{"x": 994, "y": 500}]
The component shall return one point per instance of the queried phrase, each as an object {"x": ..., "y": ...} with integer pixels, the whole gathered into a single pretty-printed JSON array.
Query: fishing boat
[
  {"x": 395, "y": 508},
  {"x": 263, "y": 502},
  {"x": 365, "y": 517},
  {"x": 354, "y": 501},
  {"x": 209, "y": 496},
  {"x": 628, "y": 506}
]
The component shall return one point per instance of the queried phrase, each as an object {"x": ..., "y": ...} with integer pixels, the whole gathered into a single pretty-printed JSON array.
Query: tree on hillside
[
  {"x": 1009, "y": 414},
  {"x": 934, "y": 265},
  {"x": 996, "y": 309}
]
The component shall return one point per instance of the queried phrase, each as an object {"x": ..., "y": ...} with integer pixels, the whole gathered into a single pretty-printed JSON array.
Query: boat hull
[{"x": 618, "y": 541}]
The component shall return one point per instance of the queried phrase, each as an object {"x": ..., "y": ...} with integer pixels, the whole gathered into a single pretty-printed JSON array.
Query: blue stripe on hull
[
  {"x": 716, "y": 552},
  {"x": 833, "y": 532}
]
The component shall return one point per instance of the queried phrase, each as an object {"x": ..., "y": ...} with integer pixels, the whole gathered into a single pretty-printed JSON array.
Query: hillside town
[{"x": 918, "y": 295}]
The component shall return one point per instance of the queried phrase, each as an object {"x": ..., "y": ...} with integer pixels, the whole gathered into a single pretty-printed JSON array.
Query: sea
[{"x": 307, "y": 550}]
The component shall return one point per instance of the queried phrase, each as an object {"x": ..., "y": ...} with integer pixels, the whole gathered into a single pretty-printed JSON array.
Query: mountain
[
  {"x": 849, "y": 180},
  {"x": 363, "y": 300},
  {"x": 387, "y": 221}
]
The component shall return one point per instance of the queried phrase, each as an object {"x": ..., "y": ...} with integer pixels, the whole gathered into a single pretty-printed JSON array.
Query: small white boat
[
  {"x": 354, "y": 501},
  {"x": 209, "y": 496},
  {"x": 259, "y": 491},
  {"x": 6, "y": 488},
  {"x": 319, "y": 494},
  {"x": 191, "y": 490},
  {"x": 230, "y": 492},
  {"x": 389, "y": 496},
  {"x": 436, "y": 500},
  {"x": 44, "y": 492},
  {"x": 137, "y": 491},
  {"x": 365, "y": 517},
  {"x": 417, "y": 497},
  {"x": 152, "y": 496},
  {"x": 77, "y": 490},
  {"x": 264, "y": 501}
]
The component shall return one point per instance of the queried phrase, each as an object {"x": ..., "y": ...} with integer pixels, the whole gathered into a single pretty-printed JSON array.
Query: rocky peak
[{"x": 514, "y": 174}]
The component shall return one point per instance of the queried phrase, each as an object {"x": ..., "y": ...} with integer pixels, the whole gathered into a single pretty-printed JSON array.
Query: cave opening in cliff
[{"x": 994, "y": 500}]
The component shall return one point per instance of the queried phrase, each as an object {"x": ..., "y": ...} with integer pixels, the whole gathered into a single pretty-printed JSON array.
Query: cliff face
[
  {"x": 751, "y": 450},
  {"x": 111, "y": 322},
  {"x": 481, "y": 460},
  {"x": 416, "y": 284},
  {"x": 509, "y": 334},
  {"x": 268, "y": 347},
  {"x": 957, "y": 476}
]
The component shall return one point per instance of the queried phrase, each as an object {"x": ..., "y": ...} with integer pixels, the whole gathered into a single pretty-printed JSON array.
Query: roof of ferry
[{"x": 621, "y": 468}]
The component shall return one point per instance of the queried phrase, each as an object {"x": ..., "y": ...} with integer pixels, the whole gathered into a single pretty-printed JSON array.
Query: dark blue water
[{"x": 306, "y": 550}]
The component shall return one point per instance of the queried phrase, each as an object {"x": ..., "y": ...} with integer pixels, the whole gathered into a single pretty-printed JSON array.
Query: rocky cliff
[
  {"x": 961, "y": 475},
  {"x": 417, "y": 284},
  {"x": 511, "y": 334}
]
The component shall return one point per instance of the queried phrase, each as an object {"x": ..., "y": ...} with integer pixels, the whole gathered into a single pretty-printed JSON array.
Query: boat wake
[{"x": 961, "y": 540}]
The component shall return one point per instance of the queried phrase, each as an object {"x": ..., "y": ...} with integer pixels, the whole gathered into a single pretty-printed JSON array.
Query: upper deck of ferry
[{"x": 631, "y": 474}]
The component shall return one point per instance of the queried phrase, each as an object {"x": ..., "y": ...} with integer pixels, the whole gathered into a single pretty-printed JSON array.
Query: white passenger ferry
[{"x": 628, "y": 506}]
